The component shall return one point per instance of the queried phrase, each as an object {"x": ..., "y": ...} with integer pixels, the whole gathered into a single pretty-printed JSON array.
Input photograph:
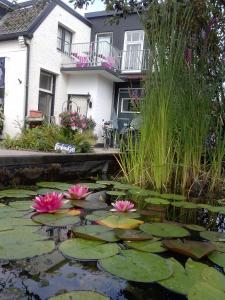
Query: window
[
  {"x": 127, "y": 106},
  {"x": 133, "y": 50},
  {"x": 64, "y": 40},
  {"x": 46, "y": 94},
  {"x": 103, "y": 43}
]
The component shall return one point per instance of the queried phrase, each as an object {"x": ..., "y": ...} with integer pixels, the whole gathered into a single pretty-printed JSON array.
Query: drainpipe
[{"x": 27, "y": 44}]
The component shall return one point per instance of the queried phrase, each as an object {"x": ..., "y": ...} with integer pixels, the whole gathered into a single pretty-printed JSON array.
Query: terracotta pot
[{"x": 35, "y": 114}]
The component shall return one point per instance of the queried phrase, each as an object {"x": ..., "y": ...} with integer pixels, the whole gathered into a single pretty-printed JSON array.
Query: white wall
[
  {"x": 44, "y": 54},
  {"x": 15, "y": 85},
  {"x": 101, "y": 91}
]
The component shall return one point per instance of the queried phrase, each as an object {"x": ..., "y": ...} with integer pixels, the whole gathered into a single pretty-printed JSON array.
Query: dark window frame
[{"x": 62, "y": 39}]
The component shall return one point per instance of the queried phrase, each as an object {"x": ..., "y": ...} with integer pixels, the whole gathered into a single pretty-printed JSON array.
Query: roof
[
  {"x": 104, "y": 13},
  {"x": 24, "y": 18}
]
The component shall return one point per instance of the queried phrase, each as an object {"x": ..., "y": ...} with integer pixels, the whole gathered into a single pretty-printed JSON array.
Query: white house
[{"x": 53, "y": 59}]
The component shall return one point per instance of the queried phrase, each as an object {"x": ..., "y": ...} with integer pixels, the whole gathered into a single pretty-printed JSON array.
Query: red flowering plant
[{"x": 75, "y": 120}]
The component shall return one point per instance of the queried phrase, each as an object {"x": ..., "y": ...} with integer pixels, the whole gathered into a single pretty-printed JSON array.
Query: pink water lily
[
  {"x": 77, "y": 192},
  {"x": 48, "y": 203},
  {"x": 123, "y": 206}
]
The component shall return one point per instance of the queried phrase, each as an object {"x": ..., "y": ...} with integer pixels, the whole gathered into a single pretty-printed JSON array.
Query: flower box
[{"x": 35, "y": 114}]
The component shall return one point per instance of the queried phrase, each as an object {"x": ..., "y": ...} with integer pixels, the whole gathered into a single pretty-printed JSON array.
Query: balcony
[{"x": 102, "y": 55}]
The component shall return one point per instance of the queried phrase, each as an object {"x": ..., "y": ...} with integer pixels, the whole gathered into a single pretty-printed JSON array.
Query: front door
[{"x": 79, "y": 103}]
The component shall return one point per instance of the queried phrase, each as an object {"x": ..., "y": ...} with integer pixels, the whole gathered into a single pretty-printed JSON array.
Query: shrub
[{"x": 45, "y": 137}]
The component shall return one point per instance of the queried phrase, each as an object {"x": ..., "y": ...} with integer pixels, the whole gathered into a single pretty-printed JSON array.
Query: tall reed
[{"x": 171, "y": 152}]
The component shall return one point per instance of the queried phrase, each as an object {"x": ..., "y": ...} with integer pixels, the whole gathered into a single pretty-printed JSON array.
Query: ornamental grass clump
[{"x": 171, "y": 153}]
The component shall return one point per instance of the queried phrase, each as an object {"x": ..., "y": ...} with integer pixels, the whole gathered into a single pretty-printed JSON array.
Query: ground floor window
[{"x": 46, "y": 95}]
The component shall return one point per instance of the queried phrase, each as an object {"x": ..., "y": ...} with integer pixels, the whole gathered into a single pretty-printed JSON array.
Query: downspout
[{"x": 27, "y": 44}]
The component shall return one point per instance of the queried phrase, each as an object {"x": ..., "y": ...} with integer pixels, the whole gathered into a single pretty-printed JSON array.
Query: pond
[{"x": 86, "y": 246}]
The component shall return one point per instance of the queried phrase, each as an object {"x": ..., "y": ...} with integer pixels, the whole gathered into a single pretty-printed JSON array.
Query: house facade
[{"x": 52, "y": 60}]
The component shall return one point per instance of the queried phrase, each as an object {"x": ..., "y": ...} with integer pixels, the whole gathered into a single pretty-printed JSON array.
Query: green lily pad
[
  {"x": 221, "y": 202},
  {"x": 21, "y": 205},
  {"x": 125, "y": 186},
  {"x": 132, "y": 235},
  {"x": 95, "y": 232},
  {"x": 120, "y": 222},
  {"x": 80, "y": 295},
  {"x": 137, "y": 266},
  {"x": 204, "y": 206},
  {"x": 218, "y": 258},
  {"x": 116, "y": 193},
  {"x": 204, "y": 291},
  {"x": 88, "y": 250},
  {"x": 220, "y": 246},
  {"x": 89, "y": 204},
  {"x": 54, "y": 185},
  {"x": 44, "y": 191},
  {"x": 16, "y": 193},
  {"x": 99, "y": 215},
  {"x": 174, "y": 197},
  {"x": 164, "y": 230},
  {"x": 194, "y": 227},
  {"x": 152, "y": 246},
  {"x": 179, "y": 282},
  {"x": 57, "y": 219},
  {"x": 190, "y": 248},
  {"x": 213, "y": 236},
  {"x": 190, "y": 205},
  {"x": 142, "y": 193},
  {"x": 199, "y": 272},
  {"x": 107, "y": 182},
  {"x": 179, "y": 204},
  {"x": 93, "y": 186},
  {"x": 22, "y": 243},
  {"x": 217, "y": 209},
  {"x": 157, "y": 201}
]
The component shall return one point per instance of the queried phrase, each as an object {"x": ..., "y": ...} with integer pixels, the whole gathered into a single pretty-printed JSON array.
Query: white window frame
[{"x": 125, "y": 44}]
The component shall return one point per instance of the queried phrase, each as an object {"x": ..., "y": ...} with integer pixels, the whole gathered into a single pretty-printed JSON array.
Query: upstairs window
[
  {"x": 64, "y": 40},
  {"x": 103, "y": 44}
]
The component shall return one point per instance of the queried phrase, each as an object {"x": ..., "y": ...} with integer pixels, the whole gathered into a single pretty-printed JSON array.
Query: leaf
[
  {"x": 89, "y": 204},
  {"x": 132, "y": 235},
  {"x": 21, "y": 205},
  {"x": 22, "y": 243},
  {"x": 56, "y": 219},
  {"x": 16, "y": 193},
  {"x": 204, "y": 291},
  {"x": 157, "y": 201},
  {"x": 179, "y": 282},
  {"x": 179, "y": 204},
  {"x": 107, "y": 182},
  {"x": 164, "y": 230},
  {"x": 99, "y": 215},
  {"x": 44, "y": 191},
  {"x": 120, "y": 222},
  {"x": 218, "y": 258},
  {"x": 174, "y": 197},
  {"x": 125, "y": 186},
  {"x": 80, "y": 295},
  {"x": 54, "y": 185},
  {"x": 153, "y": 246},
  {"x": 88, "y": 250},
  {"x": 137, "y": 266},
  {"x": 116, "y": 193},
  {"x": 220, "y": 246},
  {"x": 189, "y": 248},
  {"x": 142, "y": 193},
  {"x": 95, "y": 232},
  {"x": 194, "y": 227},
  {"x": 213, "y": 236},
  {"x": 93, "y": 186},
  {"x": 204, "y": 206}
]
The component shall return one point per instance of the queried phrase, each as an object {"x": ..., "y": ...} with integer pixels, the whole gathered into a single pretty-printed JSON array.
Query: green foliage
[{"x": 45, "y": 137}]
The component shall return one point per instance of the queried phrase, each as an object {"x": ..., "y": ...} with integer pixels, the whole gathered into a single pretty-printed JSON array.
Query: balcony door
[
  {"x": 103, "y": 45},
  {"x": 133, "y": 51}
]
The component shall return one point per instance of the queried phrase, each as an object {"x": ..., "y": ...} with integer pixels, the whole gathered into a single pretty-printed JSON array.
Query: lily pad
[
  {"x": 56, "y": 219},
  {"x": 137, "y": 266},
  {"x": 95, "y": 232},
  {"x": 16, "y": 193},
  {"x": 179, "y": 282},
  {"x": 21, "y": 205},
  {"x": 189, "y": 248},
  {"x": 204, "y": 291},
  {"x": 190, "y": 205},
  {"x": 89, "y": 204},
  {"x": 142, "y": 193},
  {"x": 44, "y": 191},
  {"x": 116, "y": 193},
  {"x": 88, "y": 250},
  {"x": 204, "y": 206},
  {"x": 221, "y": 202},
  {"x": 99, "y": 215},
  {"x": 54, "y": 185},
  {"x": 132, "y": 235},
  {"x": 220, "y": 246},
  {"x": 194, "y": 227},
  {"x": 164, "y": 230},
  {"x": 218, "y": 258},
  {"x": 174, "y": 197},
  {"x": 120, "y": 222},
  {"x": 93, "y": 186},
  {"x": 157, "y": 201},
  {"x": 80, "y": 295},
  {"x": 179, "y": 204},
  {"x": 152, "y": 246},
  {"x": 213, "y": 236},
  {"x": 107, "y": 182},
  {"x": 22, "y": 243},
  {"x": 125, "y": 186}
]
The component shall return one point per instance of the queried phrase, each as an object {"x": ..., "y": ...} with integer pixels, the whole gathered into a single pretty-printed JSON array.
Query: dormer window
[{"x": 64, "y": 40}]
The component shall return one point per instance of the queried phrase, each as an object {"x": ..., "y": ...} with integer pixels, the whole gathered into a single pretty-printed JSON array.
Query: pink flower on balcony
[
  {"x": 48, "y": 203},
  {"x": 123, "y": 206},
  {"x": 77, "y": 192}
]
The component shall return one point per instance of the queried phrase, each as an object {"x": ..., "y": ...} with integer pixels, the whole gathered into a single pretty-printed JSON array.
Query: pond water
[{"x": 54, "y": 273}]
